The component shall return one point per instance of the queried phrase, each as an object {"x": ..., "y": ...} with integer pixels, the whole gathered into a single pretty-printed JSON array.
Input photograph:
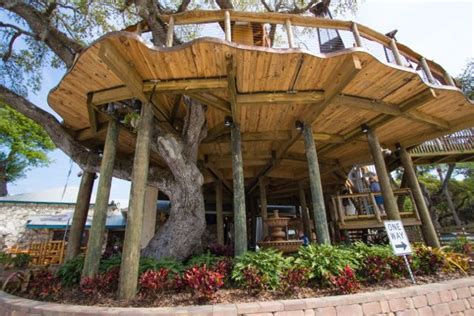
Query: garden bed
[{"x": 315, "y": 271}]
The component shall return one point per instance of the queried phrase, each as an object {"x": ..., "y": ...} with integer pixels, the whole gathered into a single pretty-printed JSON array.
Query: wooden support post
[
  {"x": 319, "y": 211},
  {"x": 449, "y": 80},
  {"x": 304, "y": 212},
  {"x": 170, "y": 32},
  {"x": 149, "y": 216},
  {"x": 80, "y": 215},
  {"x": 96, "y": 233},
  {"x": 131, "y": 245},
  {"x": 427, "y": 227},
  {"x": 219, "y": 213},
  {"x": 390, "y": 202},
  {"x": 289, "y": 34},
  {"x": 227, "y": 26},
  {"x": 357, "y": 38},
  {"x": 376, "y": 208},
  {"x": 426, "y": 69},
  {"x": 240, "y": 219},
  {"x": 263, "y": 204},
  {"x": 396, "y": 53}
]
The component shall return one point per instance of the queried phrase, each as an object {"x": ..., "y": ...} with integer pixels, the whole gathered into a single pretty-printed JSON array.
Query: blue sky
[{"x": 442, "y": 31}]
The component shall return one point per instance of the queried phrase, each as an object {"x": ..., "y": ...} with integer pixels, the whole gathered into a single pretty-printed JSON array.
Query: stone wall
[
  {"x": 454, "y": 297},
  {"x": 13, "y": 217}
]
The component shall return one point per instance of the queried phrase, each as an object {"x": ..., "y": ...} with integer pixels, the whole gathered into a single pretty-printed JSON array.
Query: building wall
[{"x": 13, "y": 218}]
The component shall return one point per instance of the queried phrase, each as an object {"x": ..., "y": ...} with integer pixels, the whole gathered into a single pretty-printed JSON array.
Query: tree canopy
[{"x": 23, "y": 144}]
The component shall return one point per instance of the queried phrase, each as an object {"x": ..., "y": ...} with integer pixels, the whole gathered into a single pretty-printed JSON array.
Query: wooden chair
[
  {"x": 54, "y": 252},
  {"x": 36, "y": 251}
]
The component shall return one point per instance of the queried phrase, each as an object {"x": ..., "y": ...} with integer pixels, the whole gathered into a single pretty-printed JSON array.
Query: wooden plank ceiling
[{"x": 335, "y": 92}]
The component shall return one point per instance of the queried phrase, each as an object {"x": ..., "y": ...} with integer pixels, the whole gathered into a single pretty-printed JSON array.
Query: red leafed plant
[
  {"x": 203, "y": 282},
  {"x": 104, "y": 283},
  {"x": 293, "y": 279},
  {"x": 345, "y": 282},
  {"x": 153, "y": 283},
  {"x": 252, "y": 280},
  {"x": 43, "y": 284}
]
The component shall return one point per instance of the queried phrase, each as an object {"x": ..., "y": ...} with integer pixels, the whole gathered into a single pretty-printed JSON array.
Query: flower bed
[{"x": 316, "y": 270}]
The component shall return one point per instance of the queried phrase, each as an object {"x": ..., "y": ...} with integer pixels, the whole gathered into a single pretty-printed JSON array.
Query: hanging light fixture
[
  {"x": 228, "y": 121},
  {"x": 365, "y": 128},
  {"x": 299, "y": 125}
]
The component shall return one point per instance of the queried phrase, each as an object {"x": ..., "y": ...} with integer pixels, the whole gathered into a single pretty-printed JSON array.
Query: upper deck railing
[
  {"x": 459, "y": 142},
  {"x": 289, "y": 31}
]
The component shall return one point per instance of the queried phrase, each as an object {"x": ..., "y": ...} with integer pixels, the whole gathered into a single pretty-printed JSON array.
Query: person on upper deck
[{"x": 375, "y": 188}]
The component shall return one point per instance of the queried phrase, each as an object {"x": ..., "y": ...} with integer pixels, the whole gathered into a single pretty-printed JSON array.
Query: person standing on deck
[{"x": 375, "y": 188}]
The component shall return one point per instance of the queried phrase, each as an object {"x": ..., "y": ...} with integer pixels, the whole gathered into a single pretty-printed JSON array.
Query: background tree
[
  {"x": 38, "y": 34},
  {"x": 23, "y": 144}
]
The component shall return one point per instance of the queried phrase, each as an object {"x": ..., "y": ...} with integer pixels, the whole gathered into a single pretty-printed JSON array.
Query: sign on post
[
  {"x": 398, "y": 238},
  {"x": 399, "y": 241}
]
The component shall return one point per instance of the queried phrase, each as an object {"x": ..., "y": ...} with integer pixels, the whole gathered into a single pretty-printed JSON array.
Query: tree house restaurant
[{"x": 294, "y": 107}]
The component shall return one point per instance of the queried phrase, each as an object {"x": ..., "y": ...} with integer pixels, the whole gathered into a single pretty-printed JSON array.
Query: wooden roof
[{"x": 275, "y": 87}]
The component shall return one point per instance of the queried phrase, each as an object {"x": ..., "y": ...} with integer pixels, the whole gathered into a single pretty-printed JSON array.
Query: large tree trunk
[
  {"x": 445, "y": 190},
  {"x": 3, "y": 186},
  {"x": 181, "y": 235}
]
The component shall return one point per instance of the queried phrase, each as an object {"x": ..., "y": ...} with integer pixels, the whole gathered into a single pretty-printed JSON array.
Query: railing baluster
[
  {"x": 228, "y": 30},
  {"x": 426, "y": 69},
  {"x": 396, "y": 53},
  {"x": 376, "y": 208},
  {"x": 170, "y": 32},
  {"x": 355, "y": 32},
  {"x": 289, "y": 33},
  {"x": 449, "y": 80}
]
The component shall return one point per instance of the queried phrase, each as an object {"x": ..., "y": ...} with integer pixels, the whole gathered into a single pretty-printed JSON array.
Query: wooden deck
[
  {"x": 269, "y": 88},
  {"x": 456, "y": 147}
]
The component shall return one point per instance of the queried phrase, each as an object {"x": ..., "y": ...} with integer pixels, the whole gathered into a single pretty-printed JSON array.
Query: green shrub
[
  {"x": 207, "y": 259},
  {"x": 21, "y": 260},
  {"x": 70, "y": 272},
  {"x": 268, "y": 265},
  {"x": 460, "y": 245},
  {"x": 110, "y": 263},
  {"x": 323, "y": 261},
  {"x": 147, "y": 264},
  {"x": 5, "y": 259}
]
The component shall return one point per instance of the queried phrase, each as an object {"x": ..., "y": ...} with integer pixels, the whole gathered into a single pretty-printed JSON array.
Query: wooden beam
[
  {"x": 253, "y": 99},
  {"x": 263, "y": 204},
  {"x": 219, "y": 213},
  {"x": 185, "y": 85},
  {"x": 122, "y": 69},
  {"x": 355, "y": 32},
  {"x": 212, "y": 100},
  {"x": 88, "y": 133},
  {"x": 217, "y": 174},
  {"x": 232, "y": 87},
  {"x": 347, "y": 71},
  {"x": 216, "y": 132},
  {"x": 178, "y": 86},
  {"x": 92, "y": 114},
  {"x": 170, "y": 32}
]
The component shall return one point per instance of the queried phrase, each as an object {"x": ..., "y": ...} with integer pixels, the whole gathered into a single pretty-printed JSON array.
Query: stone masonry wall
[
  {"x": 13, "y": 217},
  {"x": 455, "y": 297}
]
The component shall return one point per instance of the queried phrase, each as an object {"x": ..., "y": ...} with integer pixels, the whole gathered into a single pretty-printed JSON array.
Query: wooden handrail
[
  {"x": 213, "y": 16},
  {"x": 462, "y": 141}
]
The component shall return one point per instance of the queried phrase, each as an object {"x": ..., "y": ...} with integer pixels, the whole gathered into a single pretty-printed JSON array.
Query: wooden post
[
  {"x": 219, "y": 213},
  {"x": 289, "y": 34},
  {"x": 319, "y": 211},
  {"x": 80, "y": 215},
  {"x": 131, "y": 244},
  {"x": 96, "y": 233},
  {"x": 357, "y": 38},
  {"x": 240, "y": 219},
  {"x": 427, "y": 227},
  {"x": 304, "y": 212},
  {"x": 426, "y": 69},
  {"x": 376, "y": 208},
  {"x": 227, "y": 26},
  {"x": 263, "y": 204},
  {"x": 396, "y": 53},
  {"x": 149, "y": 216},
  {"x": 449, "y": 80},
  {"x": 170, "y": 32},
  {"x": 390, "y": 202}
]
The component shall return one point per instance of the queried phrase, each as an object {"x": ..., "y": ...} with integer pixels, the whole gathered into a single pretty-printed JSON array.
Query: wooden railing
[
  {"x": 395, "y": 52},
  {"x": 459, "y": 142},
  {"x": 366, "y": 208},
  {"x": 42, "y": 253}
]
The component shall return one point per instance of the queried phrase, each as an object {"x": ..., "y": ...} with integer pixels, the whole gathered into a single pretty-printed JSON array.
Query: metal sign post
[{"x": 400, "y": 243}]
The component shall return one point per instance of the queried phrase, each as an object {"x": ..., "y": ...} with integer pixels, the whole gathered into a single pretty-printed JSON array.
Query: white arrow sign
[{"x": 398, "y": 238}]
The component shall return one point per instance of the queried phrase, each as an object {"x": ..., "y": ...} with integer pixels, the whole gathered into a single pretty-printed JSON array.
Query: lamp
[
  {"x": 398, "y": 146},
  {"x": 228, "y": 121},
  {"x": 299, "y": 125},
  {"x": 365, "y": 128}
]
